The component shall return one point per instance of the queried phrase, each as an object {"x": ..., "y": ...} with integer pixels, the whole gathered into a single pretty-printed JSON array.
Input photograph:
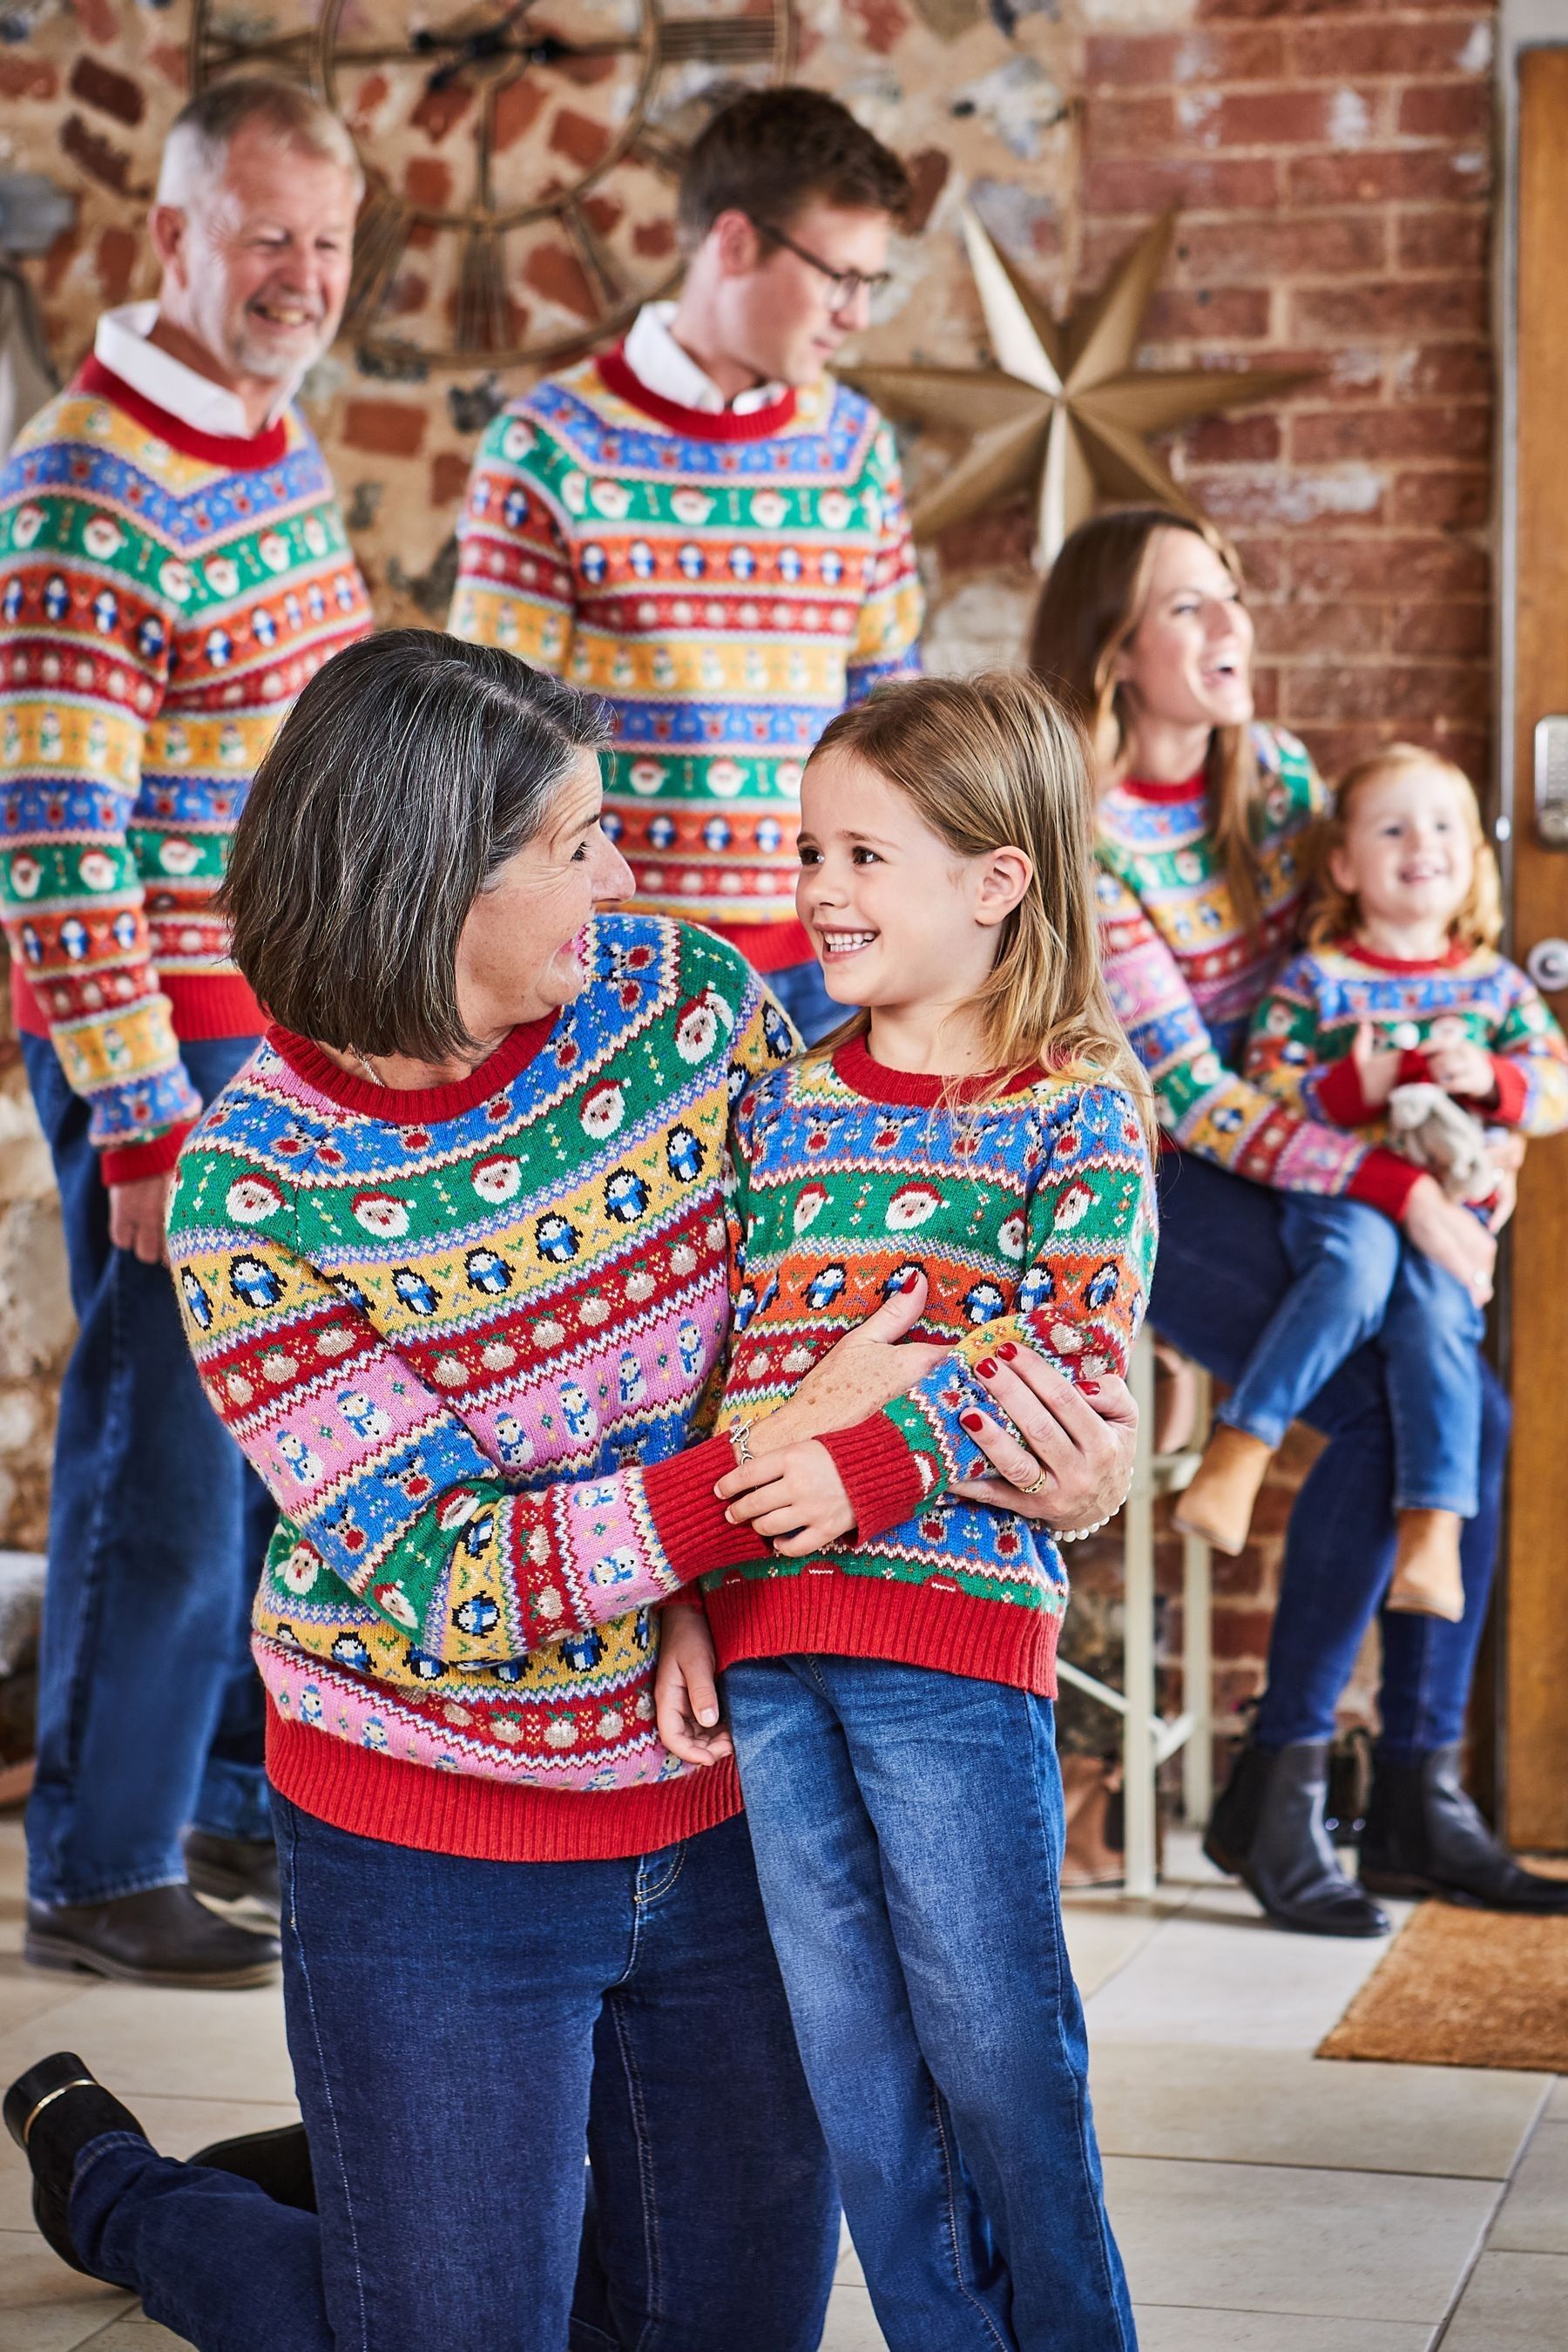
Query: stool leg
[
  {"x": 1197, "y": 1657},
  {"x": 1138, "y": 1767}
]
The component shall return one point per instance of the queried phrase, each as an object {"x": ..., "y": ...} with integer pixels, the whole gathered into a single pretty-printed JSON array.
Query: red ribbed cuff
[
  {"x": 688, "y": 1516},
  {"x": 127, "y": 1163},
  {"x": 1386, "y": 1182},
  {"x": 1339, "y": 1094},
  {"x": 885, "y": 1479},
  {"x": 1512, "y": 1092}
]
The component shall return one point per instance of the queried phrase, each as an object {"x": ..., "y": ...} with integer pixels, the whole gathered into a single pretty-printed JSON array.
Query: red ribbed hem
[
  {"x": 1386, "y": 1182},
  {"x": 932, "y": 1624},
  {"x": 1148, "y": 788},
  {"x": 881, "y": 1472},
  {"x": 1512, "y": 1093},
  {"x": 201, "y": 1005},
  {"x": 692, "y": 423},
  {"x": 399, "y": 1803},
  {"x": 411, "y": 1106},
  {"x": 235, "y": 456},
  {"x": 127, "y": 1163},
  {"x": 688, "y": 1516},
  {"x": 767, "y": 946},
  {"x": 1339, "y": 1094}
]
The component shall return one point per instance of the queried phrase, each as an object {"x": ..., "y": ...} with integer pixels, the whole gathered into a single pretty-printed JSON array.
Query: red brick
[
  {"x": 1433, "y": 567},
  {"x": 112, "y": 93},
  {"x": 1239, "y": 1632},
  {"x": 1266, "y": 691},
  {"x": 388, "y": 428},
  {"x": 1263, "y": 566},
  {"x": 1129, "y": 126},
  {"x": 99, "y": 157},
  {"x": 1208, "y": 10},
  {"x": 1386, "y": 692},
  {"x": 1155, "y": 60},
  {"x": 1232, "y": 441},
  {"x": 1460, "y": 632},
  {"x": 1264, "y": 252},
  {"x": 1446, "y": 109},
  {"x": 1330, "y": 438},
  {"x": 928, "y": 174},
  {"x": 1444, "y": 499},
  {"x": 1274, "y": 497},
  {"x": 1402, "y": 49},
  {"x": 1237, "y": 314},
  {"x": 449, "y": 477},
  {"x": 115, "y": 262},
  {"x": 1448, "y": 238},
  {"x": 1317, "y": 630},
  {"x": 1287, "y": 116},
  {"x": 1376, "y": 175},
  {"x": 28, "y": 77},
  {"x": 1446, "y": 372},
  {"x": 1152, "y": 184},
  {"x": 1417, "y": 306}
]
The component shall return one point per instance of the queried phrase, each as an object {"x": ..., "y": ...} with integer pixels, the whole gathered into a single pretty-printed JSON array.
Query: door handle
[
  {"x": 1547, "y": 964},
  {"x": 1552, "y": 782}
]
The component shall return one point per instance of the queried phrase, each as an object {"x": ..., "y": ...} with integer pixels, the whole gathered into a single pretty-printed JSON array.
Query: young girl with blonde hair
[
  {"x": 1401, "y": 984},
  {"x": 979, "y": 1127}
]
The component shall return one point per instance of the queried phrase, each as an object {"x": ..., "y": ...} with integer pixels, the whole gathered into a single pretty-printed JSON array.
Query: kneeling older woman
[{"x": 451, "y": 1250}]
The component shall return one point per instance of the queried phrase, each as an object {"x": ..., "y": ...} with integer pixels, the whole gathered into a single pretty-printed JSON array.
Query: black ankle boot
[
  {"x": 1266, "y": 1829},
  {"x": 278, "y": 2161},
  {"x": 1425, "y": 1836},
  {"x": 53, "y": 2112}
]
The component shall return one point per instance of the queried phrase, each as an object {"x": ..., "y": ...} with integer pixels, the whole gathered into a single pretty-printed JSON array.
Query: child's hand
[
  {"x": 686, "y": 1690},
  {"x": 793, "y": 1497},
  {"x": 1463, "y": 1069},
  {"x": 1377, "y": 1067}
]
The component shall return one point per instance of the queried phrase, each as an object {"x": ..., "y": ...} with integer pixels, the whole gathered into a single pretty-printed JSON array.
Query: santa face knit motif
[
  {"x": 729, "y": 583},
  {"x": 462, "y": 1336},
  {"x": 1302, "y": 1033},
  {"x": 1033, "y": 1220},
  {"x": 163, "y": 598},
  {"x": 1185, "y": 974}
]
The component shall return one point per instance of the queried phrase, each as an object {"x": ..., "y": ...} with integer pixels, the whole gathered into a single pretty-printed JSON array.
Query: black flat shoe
[
  {"x": 278, "y": 2161},
  {"x": 1424, "y": 1835},
  {"x": 52, "y": 2112},
  {"x": 1268, "y": 1830},
  {"x": 233, "y": 1870},
  {"x": 162, "y": 1937}
]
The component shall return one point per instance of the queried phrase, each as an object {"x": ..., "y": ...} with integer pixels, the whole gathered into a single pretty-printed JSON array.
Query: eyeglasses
[{"x": 844, "y": 285}]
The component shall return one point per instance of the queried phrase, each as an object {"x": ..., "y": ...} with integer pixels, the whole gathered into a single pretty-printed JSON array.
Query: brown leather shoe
[
  {"x": 233, "y": 1870},
  {"x": 162, "y": 1937}
]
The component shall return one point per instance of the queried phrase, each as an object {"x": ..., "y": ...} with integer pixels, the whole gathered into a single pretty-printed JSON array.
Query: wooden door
[{"x": 1535, "y": 1618}]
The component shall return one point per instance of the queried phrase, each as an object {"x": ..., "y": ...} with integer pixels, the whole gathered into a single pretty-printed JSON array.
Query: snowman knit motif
[
  {"x": 728, "y": 583},
  {"x": 1302, "y": 1033},
  {"x": 467, "y": 1337},
  {"x": 164, "y": 594},
  {"x": 1032, "y": 1218},
  {"x": 1186, "y": 972}
]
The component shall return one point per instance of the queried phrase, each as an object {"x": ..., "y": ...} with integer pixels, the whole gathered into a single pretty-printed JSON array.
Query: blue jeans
[
  {"x": 1356, "y": 1280},
  {"x": 1219, "y": 1276},
  {"x": 908, "y": 1829},
  {"x": 463, "y": 2033},
  {"x": 149, "y": 1711},
  {"x": 802, "y": 990}
]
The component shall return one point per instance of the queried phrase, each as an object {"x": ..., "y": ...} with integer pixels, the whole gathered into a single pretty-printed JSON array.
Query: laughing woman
[{"x": 452, "y": 1250}]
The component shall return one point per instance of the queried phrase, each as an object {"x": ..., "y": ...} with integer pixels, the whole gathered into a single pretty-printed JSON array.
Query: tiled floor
[{"x": 1265, "y": 2201}]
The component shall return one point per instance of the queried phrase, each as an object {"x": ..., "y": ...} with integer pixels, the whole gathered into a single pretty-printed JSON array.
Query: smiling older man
[{"x": 172, "y": 569}]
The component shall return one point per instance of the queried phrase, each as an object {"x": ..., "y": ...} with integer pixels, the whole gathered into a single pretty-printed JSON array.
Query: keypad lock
[{"x": 1551, "y": 781}]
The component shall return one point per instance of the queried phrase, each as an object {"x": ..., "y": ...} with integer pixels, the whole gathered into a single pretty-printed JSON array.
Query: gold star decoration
[{"x": 1064, "y": 414}]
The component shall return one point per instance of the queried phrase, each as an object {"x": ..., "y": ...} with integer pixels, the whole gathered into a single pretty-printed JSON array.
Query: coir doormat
[{"x": 1461, "y": 1988}]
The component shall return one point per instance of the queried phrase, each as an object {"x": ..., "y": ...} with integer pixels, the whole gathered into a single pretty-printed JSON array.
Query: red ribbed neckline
[
  {"x": 413, "y": 1105},
  {"x": 1460, "y": 951},
  {"x": 917, "y": 1089},
  {"x": 264, "y": 448},
  {"x": 696, "y": 424},
  {"x": 1144, "y": 788}
]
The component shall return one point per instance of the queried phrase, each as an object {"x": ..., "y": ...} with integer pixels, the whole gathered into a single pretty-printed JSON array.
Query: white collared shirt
[
  {"x": 657, "y": 361},
  {"x": 121, "y": 346}
]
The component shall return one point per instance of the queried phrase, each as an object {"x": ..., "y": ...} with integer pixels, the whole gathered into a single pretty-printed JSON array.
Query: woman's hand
[
  {"x": 794, "y": 1497},
  {"x": 1463, "y": 1069},
  {"x": 1083, "y": 1436},
  {"x": 861, "y": 1373},
  {"x": 686, "y": 1688},
  {"x": 1451, "y": 1237}
]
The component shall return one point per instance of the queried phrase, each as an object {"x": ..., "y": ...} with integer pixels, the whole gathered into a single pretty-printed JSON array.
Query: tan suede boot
[
  {"x": 1218, "y": 1504},
  {"x": 1426, "y": 1575}
]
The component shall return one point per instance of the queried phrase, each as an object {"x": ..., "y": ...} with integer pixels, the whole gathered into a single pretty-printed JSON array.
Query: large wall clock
[{"x": 521, "y": 159}]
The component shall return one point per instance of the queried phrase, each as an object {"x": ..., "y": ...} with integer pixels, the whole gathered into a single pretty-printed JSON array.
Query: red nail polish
[
  {"x": 986, "y": 1367},
  {"x": 1007, "y": 1352},
  {"x": 972, "y": 1421},
  {"x": 1089, "y": 1388},
  {"x": 908, "y": 1282}
]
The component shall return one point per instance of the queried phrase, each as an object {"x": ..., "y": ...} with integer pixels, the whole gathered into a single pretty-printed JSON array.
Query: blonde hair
[
  {"x": 1332, "y": 911},
  {"x": 991, "y": 763},
  {"x": 1089, "y": 612}
]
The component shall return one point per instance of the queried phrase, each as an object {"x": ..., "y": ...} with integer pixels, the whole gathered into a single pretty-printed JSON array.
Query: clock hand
[{"x": 490, "y": 41}]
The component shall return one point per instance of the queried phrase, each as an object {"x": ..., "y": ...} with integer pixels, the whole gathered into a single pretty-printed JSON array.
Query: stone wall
[{"x": 1333, "y": 161}]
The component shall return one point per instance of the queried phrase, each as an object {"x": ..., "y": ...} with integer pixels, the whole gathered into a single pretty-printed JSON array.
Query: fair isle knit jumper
[
  {"x": 164, "y": 595},
  {"x": 1302, "y": 1033},
  {"x": 728, "y": 583},
  {"x": 1186, "y": 975},
  {"x": 1032, "y": 1217},
  {"x": 468, "y": 1337}
]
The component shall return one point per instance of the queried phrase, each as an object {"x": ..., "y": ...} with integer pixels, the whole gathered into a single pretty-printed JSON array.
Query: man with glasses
[{"x": 707, "y": 529}]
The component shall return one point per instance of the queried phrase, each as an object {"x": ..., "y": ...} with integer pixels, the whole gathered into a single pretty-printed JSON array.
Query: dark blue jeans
[
  {"x": 1220, "y": 1275},
  {"x": 803, "y": 992},
  {"x": 1355, "y": 1279},
  {"x": 149, "y": 1711},
  {"x": 463, "y": 2034},
  {"x": 908, "y": 1827}
]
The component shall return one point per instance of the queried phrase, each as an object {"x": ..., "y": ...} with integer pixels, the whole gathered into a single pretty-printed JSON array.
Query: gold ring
[{"x": 1036, "y": 1483}]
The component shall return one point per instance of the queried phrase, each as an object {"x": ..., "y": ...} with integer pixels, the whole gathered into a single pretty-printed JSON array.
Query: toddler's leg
[{"x": 1428, "y": 1344}]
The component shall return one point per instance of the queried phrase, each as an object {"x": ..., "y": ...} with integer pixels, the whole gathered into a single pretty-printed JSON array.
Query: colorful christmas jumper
[
  {"x": 164, "y": 594},
  {"x": 464, "y": 1335},
  {"x": 1185, "y": 974},
  {"x": 728, "y": 582},
  {"x": 1032, "y": 1218}
]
